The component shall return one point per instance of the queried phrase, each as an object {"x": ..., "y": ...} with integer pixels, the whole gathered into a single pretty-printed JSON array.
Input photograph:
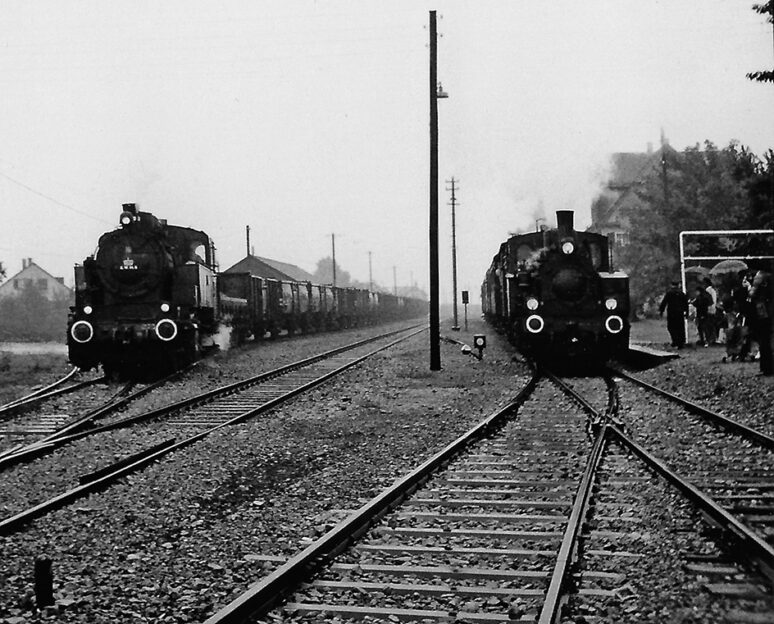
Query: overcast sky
[{"x": 306, "y": 118}]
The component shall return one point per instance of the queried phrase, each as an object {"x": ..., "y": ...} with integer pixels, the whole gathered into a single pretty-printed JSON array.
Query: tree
[
  {"x": 323, "y": 274},
  {"x": 767, "y": 8},
  {"x": 705, "y": 188},
  {"x": 31, "y": 317}
]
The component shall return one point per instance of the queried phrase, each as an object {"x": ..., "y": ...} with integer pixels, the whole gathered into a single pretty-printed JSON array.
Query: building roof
[
  {"x": 273, "y": 269},
  {"x": 53, "y": 285},
  {"x": 627, "y": 172}
]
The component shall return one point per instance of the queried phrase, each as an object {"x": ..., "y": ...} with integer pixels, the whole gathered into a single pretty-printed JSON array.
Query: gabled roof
[
  {"x": 297, "y": 273},
  {"x": 38, "y": 269},
  {"x": 35, "y": 271},
  {"x": 628, "y": 170},
  {"x": 273, "y": 269}
]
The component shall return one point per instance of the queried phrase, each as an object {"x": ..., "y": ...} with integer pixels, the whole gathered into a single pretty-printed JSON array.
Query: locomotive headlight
[
  {"x": 611, "y": 304},
  {"x": 532, "y": 303},
  {"x": 87, "y": 309},
  {"x": 614, "y": 324},
  {"x": 82, "y": 332},
  {"x": 567, "y": 247},
  {"x": 165, "y": 307},
  {"x": 535, "y": 324},
  {"x": 166, "y": 329},
  {"x": 126, "y": 218}
]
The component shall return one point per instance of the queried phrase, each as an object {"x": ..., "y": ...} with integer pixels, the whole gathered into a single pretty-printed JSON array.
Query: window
[
  {"x": 621, "y": 239},
  {"x": 42, "y": 284}
]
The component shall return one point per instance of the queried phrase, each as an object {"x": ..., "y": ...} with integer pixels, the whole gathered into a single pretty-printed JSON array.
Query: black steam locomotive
[
  {"x": 557, "y": 297},
  {"x": 151, "y": 300}
]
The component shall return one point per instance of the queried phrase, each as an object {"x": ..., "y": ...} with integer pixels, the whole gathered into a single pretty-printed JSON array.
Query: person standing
[
  {"x": 675, "y": 302},
  {"x": 701, "y": 302},
  {"x": 762, "y": 300},
  {"x": 712, "y": 311}
]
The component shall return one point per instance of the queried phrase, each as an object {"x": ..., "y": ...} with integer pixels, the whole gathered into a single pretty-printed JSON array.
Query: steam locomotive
[
  {"x": 151, "y": 300},
  {"x": 557, "y": 296}
]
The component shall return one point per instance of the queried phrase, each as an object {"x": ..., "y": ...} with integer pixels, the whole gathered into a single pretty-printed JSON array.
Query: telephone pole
[
  {"x": 435, "y": 93},
  {"x": 453, "y": 189},
  {"x": 333, "y": 253},
  {"x": 247, "y": 235}
]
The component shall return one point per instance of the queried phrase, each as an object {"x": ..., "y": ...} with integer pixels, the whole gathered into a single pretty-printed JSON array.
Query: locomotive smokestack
[
  {"x": 564, "y": 222},
  {"x": 130, "y": 208}
]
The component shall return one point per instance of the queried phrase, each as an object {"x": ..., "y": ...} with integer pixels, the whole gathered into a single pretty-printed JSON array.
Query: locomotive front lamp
[
  {"x": 126, "y": 218},
  {"x": 532, "y": 303},
  {"x": 535, "y": 324},
  {"x": 165, "y": 307},
  {"x": 611, "y": 304},
  {"x": 567, "y": 247},
  {"x": 87, "y": 309}
]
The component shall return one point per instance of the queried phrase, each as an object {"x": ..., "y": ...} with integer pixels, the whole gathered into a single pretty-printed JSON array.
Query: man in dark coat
[
  {"x": 763, "y": 308},
  {"x": 675, "y": 302}
]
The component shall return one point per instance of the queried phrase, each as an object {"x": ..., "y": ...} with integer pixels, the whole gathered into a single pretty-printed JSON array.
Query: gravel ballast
[{"x": 181, "y": 538}]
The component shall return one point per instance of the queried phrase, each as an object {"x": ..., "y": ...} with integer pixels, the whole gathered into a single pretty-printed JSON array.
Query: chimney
[
  {"x": 564, "y": 222},
  {"x": 24, "y": 263}
]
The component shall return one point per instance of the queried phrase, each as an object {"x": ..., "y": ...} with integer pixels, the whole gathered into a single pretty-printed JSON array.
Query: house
[
  {"x": 274, "y": 269},
  {"x": 628, "y": 173},
  {"x": 31, "y": 275}
]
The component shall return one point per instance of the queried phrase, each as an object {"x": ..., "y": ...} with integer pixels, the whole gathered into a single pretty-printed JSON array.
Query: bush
[{"x": 31, "y": 317}]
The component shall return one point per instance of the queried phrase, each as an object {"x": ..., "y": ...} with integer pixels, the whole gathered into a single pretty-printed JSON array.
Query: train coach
[
  {"x": 557, "y": 297},
  {"x": 151, "y": 299}
]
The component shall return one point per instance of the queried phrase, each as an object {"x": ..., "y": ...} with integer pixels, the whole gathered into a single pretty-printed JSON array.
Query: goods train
[
  {"x": 151, "y": 299},
  {"x": 557, "y": 297}
]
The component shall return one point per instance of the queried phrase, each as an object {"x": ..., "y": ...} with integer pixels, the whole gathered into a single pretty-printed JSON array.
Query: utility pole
[
  {"x": 333, "y": 253},
  {"x": 453, "y": 189},
  {"x": 394, "y": 281},
  {"x": 370, "y": 274},
  {"x": 247, "y": 235},
  {"x": 435, "y": 329}
]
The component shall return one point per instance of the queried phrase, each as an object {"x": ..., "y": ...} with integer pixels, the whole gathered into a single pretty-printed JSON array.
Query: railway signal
[{"x": 465, "y": 300}]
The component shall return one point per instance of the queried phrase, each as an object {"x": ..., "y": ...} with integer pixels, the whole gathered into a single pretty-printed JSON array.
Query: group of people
[{"x": 744, "y": 314}]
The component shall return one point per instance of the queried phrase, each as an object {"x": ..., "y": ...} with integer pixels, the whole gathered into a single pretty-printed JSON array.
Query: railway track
[
  {"x": 531, "y": 516},
  {"x": 182, "y": 423},
  {"x": 728, "y": 462},
  {"x": 57, "y": 388},
  {"x": 740, "y": 574},
  {"x": 491, "y": 520},
  {"x": 29, "y": 435}
]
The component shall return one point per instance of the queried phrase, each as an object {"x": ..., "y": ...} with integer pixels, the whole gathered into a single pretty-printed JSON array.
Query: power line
[{"x": 51, "y": 199}]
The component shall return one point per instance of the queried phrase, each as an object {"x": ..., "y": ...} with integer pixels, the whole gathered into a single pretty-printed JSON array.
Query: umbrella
[
  {"x": 728, "y": 267},
  {"x": 700, "y": 271}
]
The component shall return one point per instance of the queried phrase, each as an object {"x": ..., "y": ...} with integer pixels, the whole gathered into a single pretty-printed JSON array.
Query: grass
[{"x": 20, "y": 374}]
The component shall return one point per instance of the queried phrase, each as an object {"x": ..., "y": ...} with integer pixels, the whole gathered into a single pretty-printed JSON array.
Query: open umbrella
[
  {"x": 697, "y": 270},
  {"x": 727, "y": 267}
]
